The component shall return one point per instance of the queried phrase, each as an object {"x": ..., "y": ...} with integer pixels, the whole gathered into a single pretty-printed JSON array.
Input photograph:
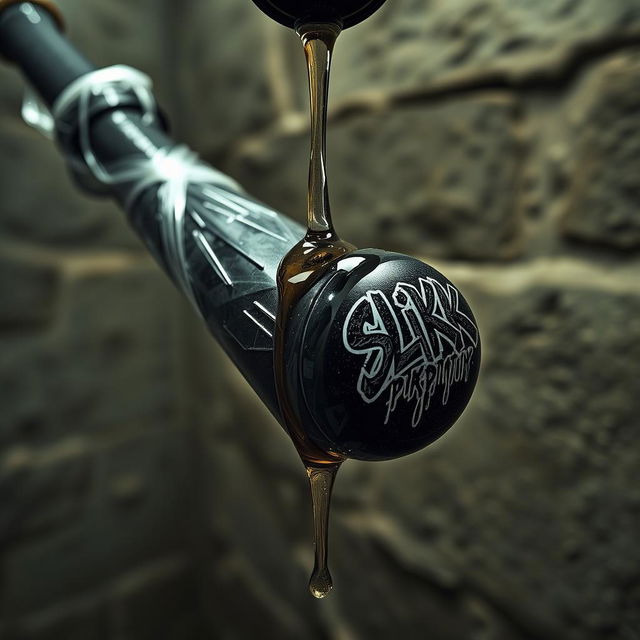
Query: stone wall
[
  {"x": 96, "y": 457},
  {"x": 146, "y": 493}
]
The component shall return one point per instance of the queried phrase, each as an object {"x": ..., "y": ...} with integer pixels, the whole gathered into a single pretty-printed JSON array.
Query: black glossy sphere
[
  {"x": 390, "y": 353},
  {"x": 348, "y": 12}
]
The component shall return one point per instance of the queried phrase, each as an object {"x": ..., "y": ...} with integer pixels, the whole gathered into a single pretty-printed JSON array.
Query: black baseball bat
[{"x": 383, "y": 352}]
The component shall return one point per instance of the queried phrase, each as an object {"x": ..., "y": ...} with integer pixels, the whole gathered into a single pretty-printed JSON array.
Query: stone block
[
  {"x": 40, "y": 203},
  {"x": 158, "y": 602},
  {"x": 121, "y": 32},
  {"x": 109, "y": 361},
  {"x": 573, "y": 428},
  {"x": 87, "y": 620},
  {"x": 433, "y": 180},
  {"x": 110, "y": 535},
  {"x": 407, "y": 600},
  {"x": 41, "y": 492},
  {"x": 221, "y": 75},
  {"x": 154, "y": 601},
  {"x": 604, "y": 194},
  {"x": 11, "y": 89},
  {"x": 411, "y": 46},
  {"x": 28, "y": 290}
]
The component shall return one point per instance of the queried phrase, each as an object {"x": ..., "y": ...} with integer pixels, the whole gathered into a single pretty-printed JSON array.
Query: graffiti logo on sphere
[{"x": 415, "y": 348}]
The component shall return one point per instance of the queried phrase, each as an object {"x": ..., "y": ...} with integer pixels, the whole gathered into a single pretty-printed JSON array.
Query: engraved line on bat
[
  {"x": 264, "y": 309},
  {"x": 234, "y": 201},
  {"x": 198, "y": 220},
  {"x": 246, "y": 313},
  {"x": 258, "y": 208},
  {"x": 203, "y": 225},
  {"x": 243, "y": 211},
  {"x": 212, "y": 258},
  {"x": 242, "y": 219}
]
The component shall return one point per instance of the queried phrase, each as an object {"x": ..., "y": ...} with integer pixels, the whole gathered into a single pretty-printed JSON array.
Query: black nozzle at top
[{"x": 291, "y": 12}]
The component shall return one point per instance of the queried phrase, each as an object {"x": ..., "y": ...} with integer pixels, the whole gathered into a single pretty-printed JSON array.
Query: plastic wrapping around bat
[
  {"x": 382, "y": 353},
  {"x": 220, "y": 246}
]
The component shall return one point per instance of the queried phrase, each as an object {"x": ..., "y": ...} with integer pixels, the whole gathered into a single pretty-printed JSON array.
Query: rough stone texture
[
  {"x": 43, "y": 205},
  {"x": 147, "y": 602},
  {"x": 30, "y": 288},
  {"x": 412, "y": 45},
  {"x": 144, "y": 490},
  {"x": 108, "y": 362},
  {"x": 605, "y": 193},
  {"x": 114, "y": 32},
  {"x": 108, "y": 533},
  {"x": 221, "y": 72},
  {"x": 441, "y": 180},
  {"x": 159, "y": 602},
  {"x": 42, "y": 491},
  {"x": 575, "y": 436}
]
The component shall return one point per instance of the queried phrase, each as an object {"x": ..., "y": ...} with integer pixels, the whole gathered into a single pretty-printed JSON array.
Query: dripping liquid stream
[{"x": 298, "y": 272}]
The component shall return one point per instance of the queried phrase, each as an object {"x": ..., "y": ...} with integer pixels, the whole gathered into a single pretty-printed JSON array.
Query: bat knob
[{"x": 389, "y": 356}]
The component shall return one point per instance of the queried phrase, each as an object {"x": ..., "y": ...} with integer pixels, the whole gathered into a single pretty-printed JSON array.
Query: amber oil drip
[
  {"x": 321, "y": 482},
  {"x": 298, "y": 272}
]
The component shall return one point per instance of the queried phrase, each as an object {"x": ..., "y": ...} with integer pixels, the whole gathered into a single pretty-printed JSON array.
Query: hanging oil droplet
[
  {"x": 321, "y": 482},
  {"x": 298, "y": 272}
]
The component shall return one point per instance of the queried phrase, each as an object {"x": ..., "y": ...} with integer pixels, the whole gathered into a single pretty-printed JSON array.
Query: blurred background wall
[{"x": 144, "y": 491}]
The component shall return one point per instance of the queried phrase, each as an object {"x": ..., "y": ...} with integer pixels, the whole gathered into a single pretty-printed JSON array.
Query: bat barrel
[
  {"x": 219, "y": 245},
  {"x": 382, "y": 353}
]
